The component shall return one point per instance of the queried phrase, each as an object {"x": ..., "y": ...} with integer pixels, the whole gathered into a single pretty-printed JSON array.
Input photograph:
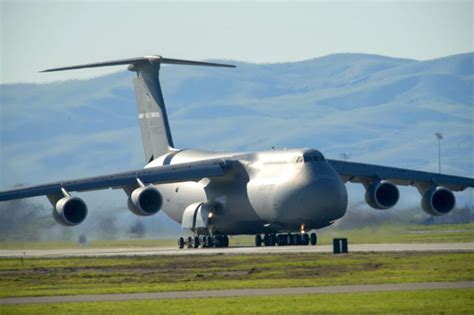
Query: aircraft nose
[{"x": 322, "y": 200}]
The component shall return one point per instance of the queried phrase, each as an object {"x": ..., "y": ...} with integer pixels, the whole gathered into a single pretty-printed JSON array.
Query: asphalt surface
[
  {"x": 150, "y": 251},
  {"x": 239, "y": 292}
]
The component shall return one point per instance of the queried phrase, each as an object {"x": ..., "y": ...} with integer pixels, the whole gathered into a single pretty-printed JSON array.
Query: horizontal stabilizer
[{"x": 140, "y": 60}]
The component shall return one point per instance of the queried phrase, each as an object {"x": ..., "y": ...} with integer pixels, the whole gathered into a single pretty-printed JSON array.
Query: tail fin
[{"x": 154, "y": 125}]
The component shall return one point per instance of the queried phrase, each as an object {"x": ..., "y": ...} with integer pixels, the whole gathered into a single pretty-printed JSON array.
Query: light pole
[{"x": 439, "y": 136}]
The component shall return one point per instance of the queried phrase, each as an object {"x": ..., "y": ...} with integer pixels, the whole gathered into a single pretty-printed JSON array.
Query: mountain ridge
[
  {"x": 379, "y": 109},
  {"x": 371, "y": 95}
]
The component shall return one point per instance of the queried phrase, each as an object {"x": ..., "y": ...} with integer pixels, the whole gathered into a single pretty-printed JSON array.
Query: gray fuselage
[{"x": 269, "y": 191}]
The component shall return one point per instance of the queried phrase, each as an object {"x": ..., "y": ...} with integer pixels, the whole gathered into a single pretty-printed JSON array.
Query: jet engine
[
  {"x": 145, "y": 201},
  {"x": 381, "y": 195},
  {"x": 70, "y": 211},
  {"x": 438, "y": 201}
]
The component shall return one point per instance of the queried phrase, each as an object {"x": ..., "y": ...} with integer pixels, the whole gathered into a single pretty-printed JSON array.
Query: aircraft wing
[
  {"x": 360, "y": 173},
  {"x": 194, "y": 171}
]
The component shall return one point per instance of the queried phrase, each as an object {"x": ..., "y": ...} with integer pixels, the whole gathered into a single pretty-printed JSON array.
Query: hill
[{"x": 382, "y": 110}]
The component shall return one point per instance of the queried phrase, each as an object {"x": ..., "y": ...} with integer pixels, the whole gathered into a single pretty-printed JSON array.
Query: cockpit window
[{"x": 313, "y": 156}]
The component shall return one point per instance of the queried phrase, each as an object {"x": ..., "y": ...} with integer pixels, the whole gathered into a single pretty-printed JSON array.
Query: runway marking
[
  {"x": 169, "y": 251},
  {"x": 239, "y": 292}
]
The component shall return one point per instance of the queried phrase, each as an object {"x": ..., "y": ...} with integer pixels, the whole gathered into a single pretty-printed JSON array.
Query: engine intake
[
  {"x": 438, "y": 201},
  {"x": 145, "y": 201},
  {"x": 70, "y": 211},
  {"x": 382, "y": 195}
]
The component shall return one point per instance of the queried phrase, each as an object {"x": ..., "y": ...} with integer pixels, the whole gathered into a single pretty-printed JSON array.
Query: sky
[{"x": 38, "y": 35}]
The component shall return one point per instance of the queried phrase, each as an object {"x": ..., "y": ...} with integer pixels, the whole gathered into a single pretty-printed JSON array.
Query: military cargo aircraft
[{"x": 276, "y": 195}]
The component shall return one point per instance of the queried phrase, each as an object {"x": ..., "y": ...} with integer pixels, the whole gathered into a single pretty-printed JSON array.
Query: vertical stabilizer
[{"x": 154, "y": 125}]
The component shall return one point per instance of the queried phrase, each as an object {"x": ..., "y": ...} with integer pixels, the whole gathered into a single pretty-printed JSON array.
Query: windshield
[{"x": 313, "y": 157}]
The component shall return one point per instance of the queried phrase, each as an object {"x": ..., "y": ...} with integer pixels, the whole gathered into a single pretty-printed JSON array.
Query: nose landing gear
[{"x": 286, "y": 239}]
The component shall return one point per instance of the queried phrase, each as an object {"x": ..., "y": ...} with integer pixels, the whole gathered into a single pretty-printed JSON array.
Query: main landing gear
[
  {"x": 286, "y": 239},
  {"x": 204, "y": 241}
]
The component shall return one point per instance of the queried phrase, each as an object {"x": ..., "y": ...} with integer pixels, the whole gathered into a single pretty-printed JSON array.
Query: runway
[
  {"x": 168, "y": 251},
  {"x": 239, "y": 292}
]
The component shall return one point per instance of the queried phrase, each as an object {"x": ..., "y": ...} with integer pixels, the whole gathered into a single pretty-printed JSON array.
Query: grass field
[
  {"x": 64, "y": 276},
  {"x": 426, "y": 302},
  {"x": 440, "y": 233}
]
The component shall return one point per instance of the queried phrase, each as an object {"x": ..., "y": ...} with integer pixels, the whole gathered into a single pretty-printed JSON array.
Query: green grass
[
  {"x": 425, "y": 301},
  {"x": 64, "y": 276}
]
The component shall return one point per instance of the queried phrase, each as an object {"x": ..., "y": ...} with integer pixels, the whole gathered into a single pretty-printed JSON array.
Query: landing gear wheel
[
  {"x": 305, "y": 239},
  {"x": 195, "y": 242},
  {"x": 258, "y": 240},
  {"x": 190, "y": 242},
  {"x": 299, "y": 239},
  {"x": 209, "y": 242},
  {"x": 225, "y": 241},
  {"x": 181, "y": 243},
  {"x": 282, "y": 239},
  {"x": 266, "y": 240},
  {"x": 272, "y": 239},
  {"x": 291, "y": 239},
  {"x": 202, "y": 241},
  {"x": 313, "y": 239},
  {"x": 217, "y": 241}
]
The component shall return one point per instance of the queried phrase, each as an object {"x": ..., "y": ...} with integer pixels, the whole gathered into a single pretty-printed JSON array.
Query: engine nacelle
[
  {"x": 381, "y": 195},
  {"x": 438, "y": 201},
  {"x": 70, "y": 211},
  {"x": 145, "y": 201}
]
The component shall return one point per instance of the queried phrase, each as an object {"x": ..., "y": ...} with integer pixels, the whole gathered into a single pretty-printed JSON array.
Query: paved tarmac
[
  {"x": 150, "y": 251},
  {"x": 239, "y": 292}
]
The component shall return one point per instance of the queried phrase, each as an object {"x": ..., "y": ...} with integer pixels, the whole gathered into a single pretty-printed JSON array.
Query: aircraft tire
[
  {"x": 221, "y": 241},
  {"x": 305, "y": 239},
  {"x": 208, "y": 242},
  {"x": 298, "y": 239},
  {"x": 281, "y": 239},
  {"x": 258, "y": 240},
  {"x": 314, "y": 239},
  {"x": 291, "y": 239},
  {"x": 217, "y": 240},
  {"x": 202, "y": 242},
  {"x": 190, "y": 242},
  {"x": 181, "y": 243},
  {"x": 266, "y": 240},
  {"x": 195, "y": 242},
  {"x": 274, "y": 240}
]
